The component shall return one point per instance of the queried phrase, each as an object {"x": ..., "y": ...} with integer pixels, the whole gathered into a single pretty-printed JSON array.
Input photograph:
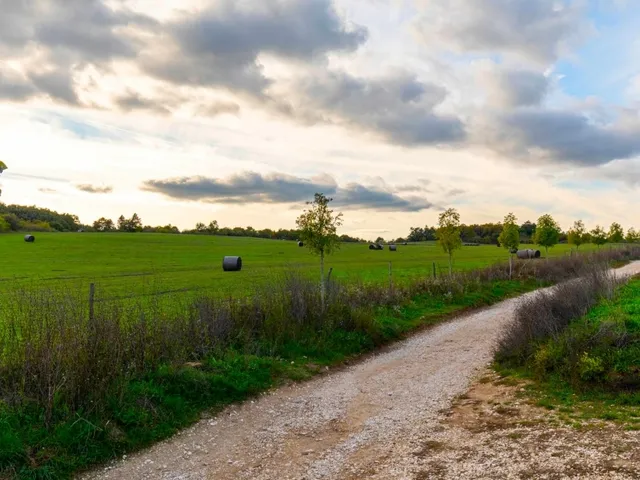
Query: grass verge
[{"x": 588, "y": 371}]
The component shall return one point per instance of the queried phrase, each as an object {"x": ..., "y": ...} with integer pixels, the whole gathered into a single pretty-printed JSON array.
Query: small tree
[
  {"x": 510, "y": 237},
  {"x": 318, "y": 227},
  {"x": 632, "y": 236},
  {"x": 577, "y": 234},
  {"x": 379, "y": 240},
  {"x": 547, "y": 233},
  {"x": 103, "y": 225},
  {"x": 616, "y": 233},
  {"x": 448, "y": 234},
  {"x": 598, "y": 236},
  {"x": 3, "y": 167},
  {"x": 213, "y": 227}
]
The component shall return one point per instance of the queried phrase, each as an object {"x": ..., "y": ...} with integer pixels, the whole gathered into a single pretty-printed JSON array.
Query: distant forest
[{"x": 18, "y": 218}]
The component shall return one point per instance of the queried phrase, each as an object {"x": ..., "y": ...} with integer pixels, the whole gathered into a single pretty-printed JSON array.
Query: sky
[{"x": 187, "y": 111}]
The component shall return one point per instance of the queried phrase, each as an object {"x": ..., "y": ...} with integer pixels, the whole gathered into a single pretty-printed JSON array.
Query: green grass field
[{"x": 135, "y": 264}]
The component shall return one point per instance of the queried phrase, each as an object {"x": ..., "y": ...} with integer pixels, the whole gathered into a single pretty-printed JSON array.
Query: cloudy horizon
[{"x": 239, "y": 111}]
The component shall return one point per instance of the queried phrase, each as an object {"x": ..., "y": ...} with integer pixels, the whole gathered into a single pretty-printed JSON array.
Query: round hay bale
[
  {"x": 29, "y": 238},
  {"x": 372, "y": 246},
  {"x": 393, "y": 248},
  {"x": 232, "y": 264},
  {"x": 379, "y": 247},
  {"x": 528, "y": 254},
  {"x": 301, "y": 244}
]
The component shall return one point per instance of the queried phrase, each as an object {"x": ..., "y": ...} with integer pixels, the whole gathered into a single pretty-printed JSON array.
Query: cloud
[
  {"x": 47, "y": 190},
  {"x": 220, "y": 46},
  {"x": 14, "y": 87},
  {"x": 397, "y": 107},
  {"x": 557, "y": 136},
  {"x": 134, "y": 101},
  {"x": 540, "y": 31},
  {"x": 251, "y": 187},
  {"x": 94, "y": 189},
  {"x": 214, "y": 109},
  {"x": 50, "y": 39},
  {"x": 509, "y": 88}
]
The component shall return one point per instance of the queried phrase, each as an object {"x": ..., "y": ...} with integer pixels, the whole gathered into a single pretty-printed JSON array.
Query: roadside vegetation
[
  {"x": 579, "y": 345},
  {"x": 81, "y": 387}
]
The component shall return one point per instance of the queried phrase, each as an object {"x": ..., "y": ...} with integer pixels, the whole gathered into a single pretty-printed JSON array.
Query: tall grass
[{"x": 58, "y": 364}]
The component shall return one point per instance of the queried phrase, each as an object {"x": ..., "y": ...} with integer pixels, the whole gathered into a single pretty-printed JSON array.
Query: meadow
[{"x": 124, "y": 265}]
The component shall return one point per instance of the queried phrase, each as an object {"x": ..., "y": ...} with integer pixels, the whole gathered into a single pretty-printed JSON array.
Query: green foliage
[
  {"x": 22, "y": 218},
  {"x": 130, "y": 225},
  {"x": 632, "y": 236},
  {"x": 598, "y": 236},
  {"x": 4, "y": 226},
  {"x": 616, "y": 233},
  {"x": 510, "y": 236},
  {"x": 448, "y": 233},
  {"x": 3, "y": 167},
  {"x": 547, "y": 232},
  {"x": 104, "y": 225},
  {"x": 577, "y": 235},
  {"x": 318, "y": 226}
]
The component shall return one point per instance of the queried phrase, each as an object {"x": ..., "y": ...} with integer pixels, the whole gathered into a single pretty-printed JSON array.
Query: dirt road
[{"x": 365, "y": 421}]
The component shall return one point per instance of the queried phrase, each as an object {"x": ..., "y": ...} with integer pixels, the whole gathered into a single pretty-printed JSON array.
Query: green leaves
[
  {"x": 578, "y": 234},
  {"x": 448, "y": 232},
  {"x": 547, "y": 232},
  {"x": 510, "y": 236},
  {"x": 318, "y": 226}
]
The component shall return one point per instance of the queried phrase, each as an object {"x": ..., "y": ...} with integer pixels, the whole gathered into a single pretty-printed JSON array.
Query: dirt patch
[{"x": 495, "y": 430}]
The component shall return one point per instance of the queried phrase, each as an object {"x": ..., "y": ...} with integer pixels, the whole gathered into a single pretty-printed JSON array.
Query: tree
[
  {"x": 318, "y": 231},
  {"x": 379, "y": 240},
  {"x": 122, "y": 223},
  {"x": 598, "y": 236},
  {"x": 213, "y": 227},
  {"x": 103, "y": 225},
  {"x": 448, "y": 233},
  {"x": 3, "y": 167},
  {"x": 547, "y": 233},
  {"x": 135, "y": 223},
  {"x": 632, "y": 236},
  {"x": 510, "y": 237},
  {"x": 201, "y": 227},
  {"x": 577, "y": 234},
  {"x": 616, "y": 233}
]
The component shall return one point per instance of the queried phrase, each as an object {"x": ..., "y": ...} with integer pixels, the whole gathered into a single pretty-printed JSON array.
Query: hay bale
[
  {"x": 232, "y": 264},
  {"x": 301, "y": 244},
  {"x": 528, "y": 254},
  {"x": 393, "y": 248},
  {"x": 372, "y": 246},
  {"x": 29, "y": 238}
]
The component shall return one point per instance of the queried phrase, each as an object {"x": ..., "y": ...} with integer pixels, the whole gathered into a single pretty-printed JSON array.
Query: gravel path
[{"x": 365, "y": 421}]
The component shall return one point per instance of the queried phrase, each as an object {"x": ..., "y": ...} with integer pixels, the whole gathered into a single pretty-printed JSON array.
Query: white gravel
[{"x": 364, "y": 421}]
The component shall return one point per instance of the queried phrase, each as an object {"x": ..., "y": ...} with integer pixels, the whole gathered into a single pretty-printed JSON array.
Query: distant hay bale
[
  {"x": 528, "y": 254},
  {"x": 393, "y": 248},
  {"x": 232, "y": 264},
  {"x": 375, "y": 246},
  {"x": 372, "y": 246},
  {"x": 29, "y": 238},
  {"x": 301, "y": 244}
]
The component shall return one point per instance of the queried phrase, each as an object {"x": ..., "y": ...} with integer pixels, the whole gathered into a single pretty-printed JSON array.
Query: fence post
[{"x": 92, "y": 294}]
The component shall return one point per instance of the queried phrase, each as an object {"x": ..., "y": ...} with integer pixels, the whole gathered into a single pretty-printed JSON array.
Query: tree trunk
[
  {"x": 450, "y": 265},
  {"x": 510, "y": 266},
  {"x": 322, "y": 281}
]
